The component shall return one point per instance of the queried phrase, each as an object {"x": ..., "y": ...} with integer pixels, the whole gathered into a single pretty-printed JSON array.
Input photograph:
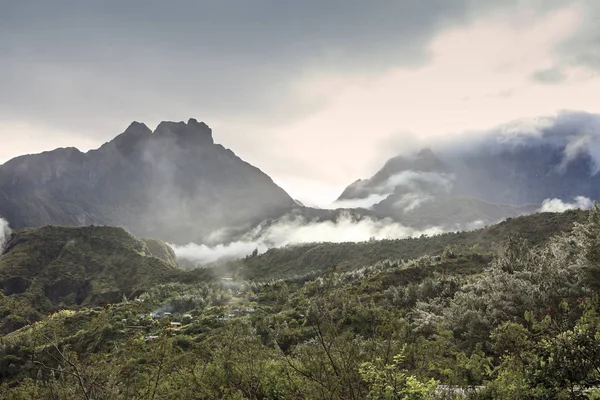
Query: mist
[
  {"x": 4, "y": 233},
  {"x": 558, "y": 206},
  {"x": 368, "y": 202},
  {"x": 291, "y": 230}
]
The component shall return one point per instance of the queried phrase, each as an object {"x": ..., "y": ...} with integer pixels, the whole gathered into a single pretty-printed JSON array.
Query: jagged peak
[
  {"x": 184, "y": 134},
  {"x": 190, "y": 132}
]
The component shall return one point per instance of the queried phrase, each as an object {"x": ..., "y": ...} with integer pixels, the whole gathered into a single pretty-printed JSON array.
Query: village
[{"x": 165, "y": 319}]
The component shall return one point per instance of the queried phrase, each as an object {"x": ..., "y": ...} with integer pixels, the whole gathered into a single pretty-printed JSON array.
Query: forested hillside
[
  {"x": 51, "y": 268},
  {"x": 518, "y": 319},
  {"x": 300, "y": 259}
]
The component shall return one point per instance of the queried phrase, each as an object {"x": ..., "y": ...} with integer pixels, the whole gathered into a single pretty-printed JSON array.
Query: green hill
[
  {"x": 315, "y": 257},
  {"x": 66, "y": 266}
]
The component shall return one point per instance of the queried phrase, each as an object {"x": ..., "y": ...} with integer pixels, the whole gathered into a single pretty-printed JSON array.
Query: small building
[
  {"x": 124, "y": 320},
  {"x": 175, "y": 324},
  {"x": 150, "y": 338},
  {"x": 227, "y": 278}
]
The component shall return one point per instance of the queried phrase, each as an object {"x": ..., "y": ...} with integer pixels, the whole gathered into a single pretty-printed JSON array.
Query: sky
[{"x": 316, "y": 94}]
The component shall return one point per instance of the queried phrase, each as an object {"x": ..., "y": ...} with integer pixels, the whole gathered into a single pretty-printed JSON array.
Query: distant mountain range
[
  {"x": 177, "y": 185},
  {"x": 174, "y": 183}
]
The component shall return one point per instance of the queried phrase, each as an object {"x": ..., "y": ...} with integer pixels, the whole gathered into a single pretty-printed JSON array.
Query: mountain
[
  {"x": 173, "y": 183},
  {"x": 507, "y": 173}
]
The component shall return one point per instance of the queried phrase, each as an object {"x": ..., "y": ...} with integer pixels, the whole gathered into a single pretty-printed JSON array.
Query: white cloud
[
  {"x": 412, "y": 201},
  {"x": 4, "y": 233},
  {"x": 367, "y": 202},
  {"x": 203, "y": 254},
  {"x": 293, "y": 230},
  {"x": 558, "y": 206},
  {"x": 411, "y": 179}
]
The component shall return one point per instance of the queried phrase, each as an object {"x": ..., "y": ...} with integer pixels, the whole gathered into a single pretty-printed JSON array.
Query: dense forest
[{"x": 510, "y": 315}]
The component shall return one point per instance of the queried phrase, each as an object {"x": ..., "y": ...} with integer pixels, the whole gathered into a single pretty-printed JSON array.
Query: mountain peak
[
  {"x": 192, "y": 132},
  {"x": 137, "y": 127},
  {"x": 127, "y": 141}
]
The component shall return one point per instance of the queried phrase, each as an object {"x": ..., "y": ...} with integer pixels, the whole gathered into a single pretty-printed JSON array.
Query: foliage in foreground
[{"x": 525, "y": 325}]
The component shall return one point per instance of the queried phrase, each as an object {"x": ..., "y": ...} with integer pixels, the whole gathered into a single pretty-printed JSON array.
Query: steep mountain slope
[{"x": 173, "y": 184}]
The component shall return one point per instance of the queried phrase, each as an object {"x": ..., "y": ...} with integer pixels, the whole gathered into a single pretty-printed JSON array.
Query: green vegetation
[
  {"x": 487, "y": 316},
  {"x": 49, "y": 268},
  {"x": 315, "y": 258}
]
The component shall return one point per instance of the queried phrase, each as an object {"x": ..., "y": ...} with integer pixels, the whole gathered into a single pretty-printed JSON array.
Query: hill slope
[
  {"x": 65, "y": 266},
  {"x": 317, "y": 257}
]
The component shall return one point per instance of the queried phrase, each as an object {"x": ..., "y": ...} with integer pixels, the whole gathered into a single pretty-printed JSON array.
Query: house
[{"x": 175, "y": 324}]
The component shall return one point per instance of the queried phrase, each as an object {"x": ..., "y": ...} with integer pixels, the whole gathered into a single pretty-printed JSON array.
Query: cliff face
[{"x": 173, "y": 184}]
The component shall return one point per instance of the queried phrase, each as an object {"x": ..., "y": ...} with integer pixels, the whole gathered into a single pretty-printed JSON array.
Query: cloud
[
  {"x": 417, "y": 182},
  {"x": 576, "y": 132},
  {"x": 412, "y": 180},
  {"x": 366, "y": 202},
  {"x": 295, "y": 229},
  {"x": 558, "y": 206},
  {"x": 581, "y": 49},
  {"x": 412, "y": 201},
  {"x": 4, "y": 233},
  {"x": 292, "y": 230},
  {"x": 203, "y": 254},
  {"x": 63, "y": 63},
  {"x": 549, "y": 76}
]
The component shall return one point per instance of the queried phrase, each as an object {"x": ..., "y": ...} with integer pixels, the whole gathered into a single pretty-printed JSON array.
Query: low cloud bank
[
  {"x": 4, "y": 233},
  {"x": 558, "y": 206},
  {"x": 367, "y": 202},
  {"x": 203, "y": 254},
  {"x": 296, "y": 230}
]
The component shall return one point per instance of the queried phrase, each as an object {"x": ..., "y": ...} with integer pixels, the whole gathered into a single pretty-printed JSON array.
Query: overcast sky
[{"x": 315, "y": 93}]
